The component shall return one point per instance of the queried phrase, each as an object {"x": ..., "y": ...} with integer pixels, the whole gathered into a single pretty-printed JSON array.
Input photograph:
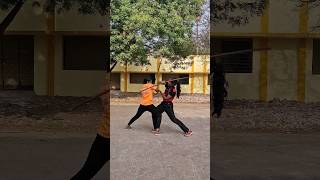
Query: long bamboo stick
[
  {"x": 157, "y": 84},
  {"x": 240, "y": 52}
]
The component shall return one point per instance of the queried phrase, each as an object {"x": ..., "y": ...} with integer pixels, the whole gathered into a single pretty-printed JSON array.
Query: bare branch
[{"x": 9, "y": 18}]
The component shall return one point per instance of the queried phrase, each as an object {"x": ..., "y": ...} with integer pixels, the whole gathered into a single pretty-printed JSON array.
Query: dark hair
[
  {"x": 177, "y": 83},
  {"x": 145, "y": 81},
  {"x": 153, "y": 78}
]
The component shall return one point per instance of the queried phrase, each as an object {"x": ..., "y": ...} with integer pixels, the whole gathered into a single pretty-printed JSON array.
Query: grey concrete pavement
[
  {"x": 137, "y": 154},
  {"x": 44, "y": 156},
  {"x": 259, "y": 156}
]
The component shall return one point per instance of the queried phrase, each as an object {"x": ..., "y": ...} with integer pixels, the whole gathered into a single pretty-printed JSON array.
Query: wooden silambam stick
[
  {"x": 240, "y": 52},
  {"x": 96, "y": 96},
  {"x": 157, "y": 85},
  {"x": 89, "y": 100}
]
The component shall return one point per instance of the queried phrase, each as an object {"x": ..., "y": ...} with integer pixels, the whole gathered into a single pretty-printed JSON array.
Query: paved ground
[
  {"x": 49, "y": 156},
  {"x": 55, "y": 142},
  {"x": 265, "y": 156},
  {"x": 137, "y": 154},
  {"x": 52, "y": 143}
]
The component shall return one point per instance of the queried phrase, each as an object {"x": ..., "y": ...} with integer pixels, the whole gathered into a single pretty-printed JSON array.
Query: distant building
[
  {"x": 196, "y": 69},
  {"x": 290, "y": 70},
  {"x": 65, "y": 55}
]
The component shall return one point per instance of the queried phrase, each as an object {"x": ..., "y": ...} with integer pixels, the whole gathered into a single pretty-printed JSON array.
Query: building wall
[
  {"x": 198, "y": 72},
  {"x": 282, "y": 74},
  {"x": 26, "y": 20},
  {"x": 312, "y": 80},
  {"x": 282, "y": 69},
  {"x": 283, "y": 28},
  {"x": 314, "y": 20},
  {"x": 245, "y": 85},
  {"x": 30, "y": 19},
  {"x": 40, "y": 64},
  {"x": 283, "y": 16},
  {"x": 285, "y": 71},
  {"x": 66, "y": 83},
  {"x": 73, "y": 21},
  {"x": 281, "y": 19},
  {"x": 74, "y": 82},
  {"x": 283, "y": 77}
]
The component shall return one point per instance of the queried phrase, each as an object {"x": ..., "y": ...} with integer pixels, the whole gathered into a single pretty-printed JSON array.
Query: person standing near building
[
  {"x": 218, "y": 87},
  {"x": 167, "y": 105},
  {"x": 146, "y": 104}
]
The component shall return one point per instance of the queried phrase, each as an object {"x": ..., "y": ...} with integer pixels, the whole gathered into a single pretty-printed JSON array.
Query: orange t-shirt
[
  {"x": 104, "y": 128},
  {"x": 147, "y": 95}
]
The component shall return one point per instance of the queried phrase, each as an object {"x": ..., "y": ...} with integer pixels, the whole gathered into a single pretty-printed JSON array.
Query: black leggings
[
  {"x": 151, "y": 108},
  {"x": 99, "y": 154},
  {"x": 168, "y": 108}
]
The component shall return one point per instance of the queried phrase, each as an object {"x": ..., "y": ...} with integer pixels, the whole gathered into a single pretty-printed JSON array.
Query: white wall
[
  {"x": 73, "y": 82},
  {"x": 252, "y": 27},
  {"x": 282, "y": 69},
  {"x": 245, "y": 85},
  {"x": 73, "y": 21},
  {"x": 28, "y": 19},
  {"x": 314, "y": 20},
  {"x": 40, "y": 64},
  {"x": 312, "y": 80},
  {"x": 283, "y": 16}
]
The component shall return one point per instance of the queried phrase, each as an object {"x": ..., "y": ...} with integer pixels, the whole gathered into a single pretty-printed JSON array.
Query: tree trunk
[{"x": 9, "y": 18}]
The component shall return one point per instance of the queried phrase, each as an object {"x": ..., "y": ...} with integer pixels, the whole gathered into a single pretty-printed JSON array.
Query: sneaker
[
  {"x": 187, "y": 134},
  {"x": 156, "y": 131},
  {"x": 128, "y": 127}
]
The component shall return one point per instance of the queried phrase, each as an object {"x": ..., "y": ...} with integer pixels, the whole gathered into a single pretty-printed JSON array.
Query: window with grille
[
  {"x": 138, "y": 78},
  {"x": 115, "y": 80},
  {"x": 316, "y": 57},
  {"x": 237, "y": 63},
  {"x": 85, "y": 52}
]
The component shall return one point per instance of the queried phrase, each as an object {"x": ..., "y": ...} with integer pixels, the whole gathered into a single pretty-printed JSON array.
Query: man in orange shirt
[{"x": 146, "y": 104}]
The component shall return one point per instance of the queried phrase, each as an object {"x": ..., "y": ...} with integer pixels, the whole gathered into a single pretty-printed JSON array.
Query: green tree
[
  {"x": 142, "y": 28},
  {"x": 201, "y": 35}
]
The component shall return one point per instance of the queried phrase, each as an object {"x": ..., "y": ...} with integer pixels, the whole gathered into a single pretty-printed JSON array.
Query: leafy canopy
[{"x": 152, "y": 27}]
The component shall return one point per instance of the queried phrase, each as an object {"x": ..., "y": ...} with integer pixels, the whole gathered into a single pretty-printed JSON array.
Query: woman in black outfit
[
  {"x": 219, "y": 91},
  {"x": 167, "y": 105}
]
